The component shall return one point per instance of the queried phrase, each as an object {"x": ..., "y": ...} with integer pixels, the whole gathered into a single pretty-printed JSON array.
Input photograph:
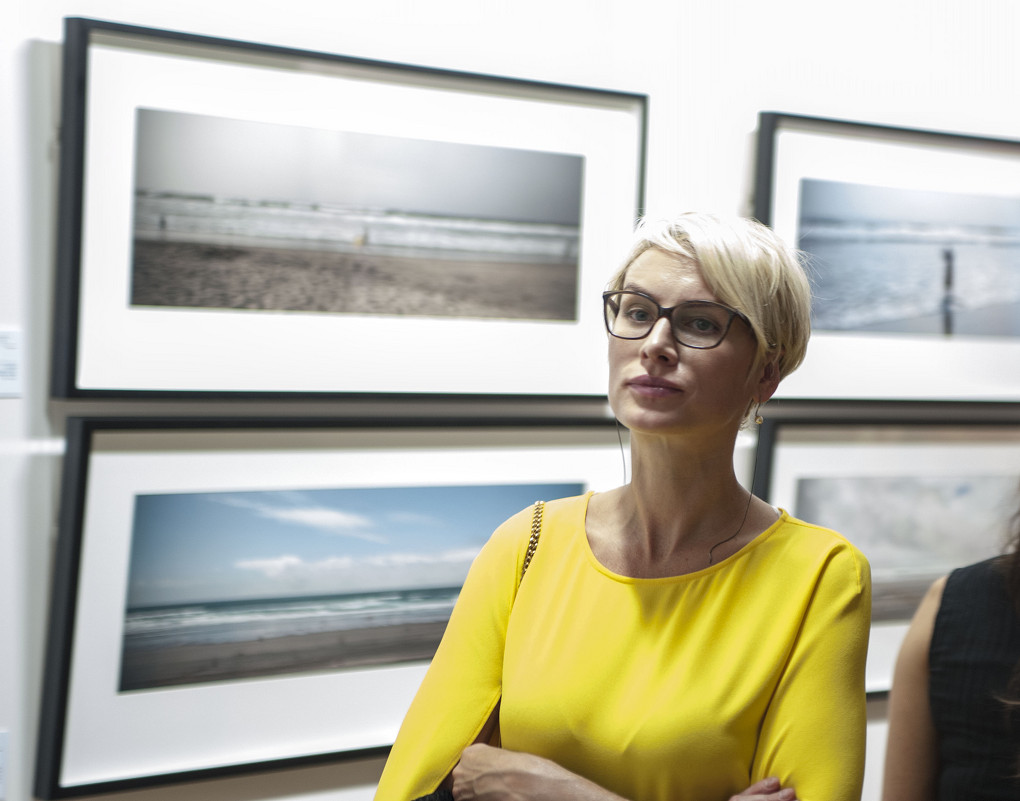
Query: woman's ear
[{"x": 768, "y": 380}]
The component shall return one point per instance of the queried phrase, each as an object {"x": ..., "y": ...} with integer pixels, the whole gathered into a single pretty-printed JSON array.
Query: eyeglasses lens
[{"x": 695, "y": 324}]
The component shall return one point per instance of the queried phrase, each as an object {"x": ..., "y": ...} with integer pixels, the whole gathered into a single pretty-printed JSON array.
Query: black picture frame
[
  {"x": 895, "y": 483},
  {"x": 909, "y": 235},
  {"x": 122, "y": 331},
  {"x": 96, "y": 726}
]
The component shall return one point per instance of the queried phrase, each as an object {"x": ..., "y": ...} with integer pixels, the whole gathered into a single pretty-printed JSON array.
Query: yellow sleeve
[
  {"x": 464, "y": 682},
  {"x": 813, "y": 734}
]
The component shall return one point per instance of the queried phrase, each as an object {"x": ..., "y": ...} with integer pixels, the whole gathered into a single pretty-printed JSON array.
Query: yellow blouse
[{"x": 687, "y": 688}]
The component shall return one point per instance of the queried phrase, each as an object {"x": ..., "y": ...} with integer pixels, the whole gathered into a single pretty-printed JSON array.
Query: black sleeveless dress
[{"x": 975, "y": 645}]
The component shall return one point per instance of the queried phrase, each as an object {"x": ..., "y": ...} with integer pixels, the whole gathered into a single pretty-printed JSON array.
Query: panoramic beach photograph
[
  {"x": 912, "y": 529},
  {"x": 235, "y": 214},
  {"x": 225, "y": 586},
  {"x": 913, "y": 262}
]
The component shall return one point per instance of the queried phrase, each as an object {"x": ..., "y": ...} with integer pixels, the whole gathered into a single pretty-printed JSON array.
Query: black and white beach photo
[
  {"x": 234, "y": 214},
  {"x": 910, "y": 261}
]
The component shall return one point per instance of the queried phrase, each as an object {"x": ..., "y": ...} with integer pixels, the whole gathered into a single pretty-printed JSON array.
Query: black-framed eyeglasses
[{"x": 698, "y": 324}]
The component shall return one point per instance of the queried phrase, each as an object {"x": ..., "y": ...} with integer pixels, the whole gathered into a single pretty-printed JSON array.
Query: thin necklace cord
[
  {"x": 623, "y": 455},
  {"x": 747, "y": 508}
]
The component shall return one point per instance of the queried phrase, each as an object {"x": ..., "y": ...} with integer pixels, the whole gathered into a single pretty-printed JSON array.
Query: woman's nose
[{"x": 660, "y": 344}]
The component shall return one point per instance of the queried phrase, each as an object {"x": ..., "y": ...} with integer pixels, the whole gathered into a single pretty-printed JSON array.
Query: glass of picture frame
[
  {"x": 911, "y": 239},
  {"x": 222, "y": 577},
  {"x": 239, "y": 219}
]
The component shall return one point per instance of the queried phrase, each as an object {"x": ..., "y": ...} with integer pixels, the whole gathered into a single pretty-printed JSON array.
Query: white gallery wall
[{"x": 708, "y": 68}]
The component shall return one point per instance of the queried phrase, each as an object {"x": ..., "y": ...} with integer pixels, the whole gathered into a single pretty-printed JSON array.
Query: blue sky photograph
[{"x": 224, "y": 546}]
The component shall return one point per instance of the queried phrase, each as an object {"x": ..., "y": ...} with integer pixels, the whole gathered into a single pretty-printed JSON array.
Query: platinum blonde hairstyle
[{"x": 748, "y": 268}]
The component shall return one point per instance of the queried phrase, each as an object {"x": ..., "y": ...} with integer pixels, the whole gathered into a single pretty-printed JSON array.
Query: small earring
[{"x": 758, "y": 419}]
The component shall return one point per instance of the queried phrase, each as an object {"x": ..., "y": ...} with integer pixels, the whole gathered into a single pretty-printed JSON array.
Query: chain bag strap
[{"x": 536, "y": 532}]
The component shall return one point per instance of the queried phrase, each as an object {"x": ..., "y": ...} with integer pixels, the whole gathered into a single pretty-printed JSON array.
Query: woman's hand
[
  {"x": 485, "y": 773},
  {"x": 766, "y": 790}
]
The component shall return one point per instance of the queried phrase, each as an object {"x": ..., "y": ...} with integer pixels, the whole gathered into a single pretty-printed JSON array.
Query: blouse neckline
[{"x": 683, "y": 577}]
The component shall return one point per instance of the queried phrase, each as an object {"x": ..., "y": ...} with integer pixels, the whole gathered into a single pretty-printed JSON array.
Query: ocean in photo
[
  {"x": 228, "y": 640},
  {"x": 234, "y": 621},
  {"x": 914, "y": 278},
  {"x": 164, "y": 216}
]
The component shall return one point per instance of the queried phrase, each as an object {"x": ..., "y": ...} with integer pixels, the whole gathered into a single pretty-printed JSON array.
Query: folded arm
[{"x": 493, "y": 774}]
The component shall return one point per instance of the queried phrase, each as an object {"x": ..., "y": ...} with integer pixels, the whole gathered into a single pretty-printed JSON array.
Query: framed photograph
[
  {"x": 242, "y": 219},
  {"x": 912, "y": 240},
  {"x": 918, "y": 499},
  {"x": 227, "y": 578}
]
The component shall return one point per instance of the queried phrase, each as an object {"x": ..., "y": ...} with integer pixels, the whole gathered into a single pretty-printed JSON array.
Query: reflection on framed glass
[
  {"x": 913, "y": 244},
  {"x": 918, "y": 498},
  {"x": 245, "y": 219},
  {"x": 225, "y": 576}
]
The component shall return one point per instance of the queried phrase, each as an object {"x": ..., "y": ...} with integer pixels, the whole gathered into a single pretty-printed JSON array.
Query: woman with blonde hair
[{"x": 675, "y": 637}]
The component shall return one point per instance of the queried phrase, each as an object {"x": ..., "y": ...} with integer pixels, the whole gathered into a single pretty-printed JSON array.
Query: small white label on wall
[{"x": 10, "y": 371}]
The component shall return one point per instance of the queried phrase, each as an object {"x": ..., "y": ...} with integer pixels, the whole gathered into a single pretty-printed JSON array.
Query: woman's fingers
[{"x": 766, "y": 790}]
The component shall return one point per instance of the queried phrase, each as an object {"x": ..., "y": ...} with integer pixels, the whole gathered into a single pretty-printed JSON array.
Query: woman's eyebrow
[{"x": 632, "y": 287}]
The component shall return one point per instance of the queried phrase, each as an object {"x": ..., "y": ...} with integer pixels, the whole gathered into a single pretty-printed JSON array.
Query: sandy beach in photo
[
  {"x": 195, "y": 664},
  {"x": 194, "y": 275},
  {"x": 1001, "y": 319}
]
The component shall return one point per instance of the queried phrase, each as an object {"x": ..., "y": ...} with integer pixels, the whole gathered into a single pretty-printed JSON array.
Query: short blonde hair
[{"x": 748, "y": 267}]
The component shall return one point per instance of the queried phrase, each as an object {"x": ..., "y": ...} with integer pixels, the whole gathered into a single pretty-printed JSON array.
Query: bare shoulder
[
  {"x": 928, "y": 609},
  {"x": 918, "y": 639},
  {"x": 910, "y": 757}
]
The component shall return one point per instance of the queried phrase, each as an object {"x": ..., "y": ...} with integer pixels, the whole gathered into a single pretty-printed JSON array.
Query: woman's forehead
[{"x": 656, "y": 271}]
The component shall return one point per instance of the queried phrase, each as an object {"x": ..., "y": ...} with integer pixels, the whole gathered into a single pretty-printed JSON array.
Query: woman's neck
[{"x": 682, "y": 501}]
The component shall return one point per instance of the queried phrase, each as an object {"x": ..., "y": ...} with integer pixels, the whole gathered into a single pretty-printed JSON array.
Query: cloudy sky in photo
[{"x": 276, "y": 544}]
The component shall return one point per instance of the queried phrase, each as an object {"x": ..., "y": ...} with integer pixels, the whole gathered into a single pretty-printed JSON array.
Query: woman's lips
[{"x": 651, "y": 386}]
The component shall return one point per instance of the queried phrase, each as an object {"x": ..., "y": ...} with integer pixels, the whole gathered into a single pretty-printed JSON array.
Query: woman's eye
[
  {"x": 701, "y": 325},
  {"x": 637, "y": 314}
]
